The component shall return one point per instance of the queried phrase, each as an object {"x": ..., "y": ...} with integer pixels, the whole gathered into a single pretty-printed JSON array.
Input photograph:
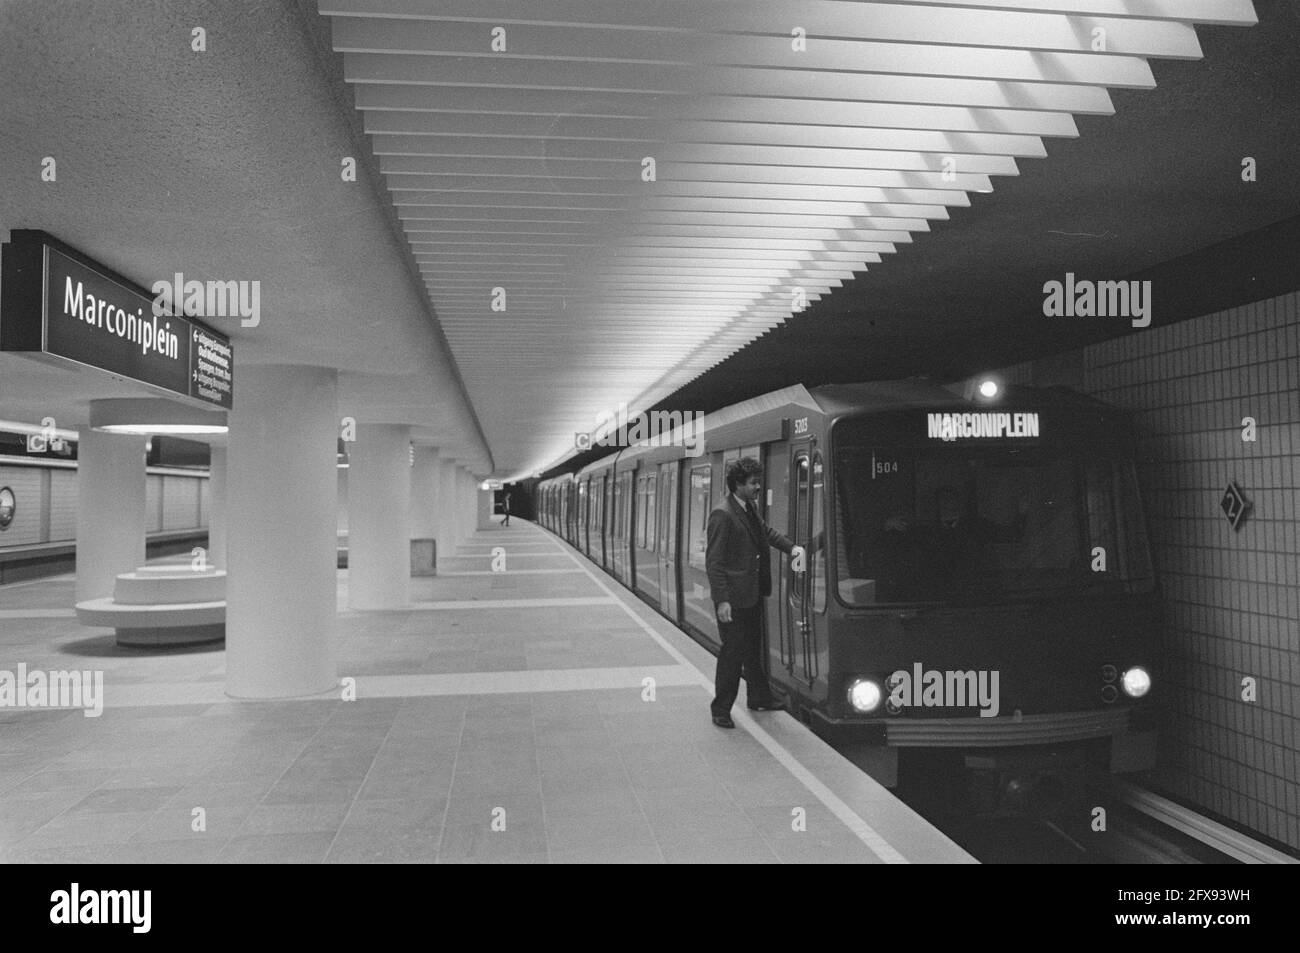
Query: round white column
[
  {"x": 465, "y": 504},
  {"x": 447, "y": 521},
  {"x": 425, "y": 484},
  {"x": 217, "y": 508},
  {"x": 110, "y": 510},
  {"x": 483, "y": 503},
  {"x": 379, "y": 496},
  {"x": 281, "y": 587}
]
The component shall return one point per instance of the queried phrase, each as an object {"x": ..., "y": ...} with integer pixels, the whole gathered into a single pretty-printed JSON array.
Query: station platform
[{"x": 501, "y": 717}]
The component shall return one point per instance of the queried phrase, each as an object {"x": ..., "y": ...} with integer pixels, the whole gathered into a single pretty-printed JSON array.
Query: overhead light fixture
[
  {"x": 151, "y": 416},
  {"x": 165, "y": 430}
]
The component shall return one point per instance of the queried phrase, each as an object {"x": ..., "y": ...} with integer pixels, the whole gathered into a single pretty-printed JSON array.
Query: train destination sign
[
  {"x": 59, "y": 305},
  {"x": 995, "y": 426}
]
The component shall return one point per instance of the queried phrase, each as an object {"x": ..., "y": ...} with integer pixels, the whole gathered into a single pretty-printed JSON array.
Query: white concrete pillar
[
  {"x": 483, "y": 501},
  {"x": 110, "y": 510},
  {"x": 425, "y": 486},
  {"x": 460, "y": 504},
  {"x": 468, "y": 514},
  {"x": 342, "y": 529},
  {"x": 217, "y": 508},
  {"x": 447, "y": 522},
  {"x": 379, "y": 500},
  {"x": 281, "y": 487}
]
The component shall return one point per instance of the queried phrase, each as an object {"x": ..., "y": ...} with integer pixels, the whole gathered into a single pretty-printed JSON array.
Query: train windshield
[{"x": 955, "y": 523}]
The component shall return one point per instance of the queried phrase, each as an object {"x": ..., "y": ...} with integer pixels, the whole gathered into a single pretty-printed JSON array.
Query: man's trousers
[{"x": 742, "y": 649}]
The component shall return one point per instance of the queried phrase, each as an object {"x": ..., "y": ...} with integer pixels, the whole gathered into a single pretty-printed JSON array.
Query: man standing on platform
[{"x": 739, "y": 569}]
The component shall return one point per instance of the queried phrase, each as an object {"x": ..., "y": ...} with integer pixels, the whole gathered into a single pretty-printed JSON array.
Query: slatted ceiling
[{"x": 776, "y": 169}]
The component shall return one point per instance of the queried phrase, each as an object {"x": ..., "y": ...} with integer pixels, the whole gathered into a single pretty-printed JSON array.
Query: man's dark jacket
[{"x": 737, "y": 559}]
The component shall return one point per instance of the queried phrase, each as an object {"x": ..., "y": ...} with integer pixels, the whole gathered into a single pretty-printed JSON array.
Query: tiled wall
[
  {"x": 180, "y": 503},
  {"x": 25, "y": 482},
  {"x": 173, "y": 504},
  {"x": 1231, "y": 600},
  {"x": 153, "y": 503}
]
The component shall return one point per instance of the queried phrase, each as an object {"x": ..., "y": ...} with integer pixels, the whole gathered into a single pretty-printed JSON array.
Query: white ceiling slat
[
  {"x": 656, "y": 80},
  {"x": 443, "y": 38},
  {"x": 720, "y": 154},
  {"x": 812, "y": 192},
  {"x": 585, "y": 129},
  {"x": 1222, "y": 12},
  {"x": 781, "y": 173},
  {"x": 482, "y": 101},
  {"x": 892, "y": 22}
]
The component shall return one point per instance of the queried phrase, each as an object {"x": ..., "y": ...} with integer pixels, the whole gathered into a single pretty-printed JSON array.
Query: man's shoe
[
  {"x": 772, "y": 705},
  {"x": 723, "y": 721}
]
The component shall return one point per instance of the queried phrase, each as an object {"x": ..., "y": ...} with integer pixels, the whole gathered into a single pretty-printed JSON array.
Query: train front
[{"x": 993, "y": 599}]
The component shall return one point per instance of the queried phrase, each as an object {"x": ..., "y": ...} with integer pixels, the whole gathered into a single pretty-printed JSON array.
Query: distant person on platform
[
  {"x": 505, "y": 506},
  {"x": 739, "y": 569}
]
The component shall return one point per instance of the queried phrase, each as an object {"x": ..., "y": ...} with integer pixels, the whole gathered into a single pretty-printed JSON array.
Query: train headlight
[
  {"x": 864, "y": 695},
  {"x": 988, "y": 388},
  {"x": 1136, "y": 682}
]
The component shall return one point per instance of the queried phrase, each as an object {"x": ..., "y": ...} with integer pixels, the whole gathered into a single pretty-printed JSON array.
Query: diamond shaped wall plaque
[{"x": 1233, "y": 504}]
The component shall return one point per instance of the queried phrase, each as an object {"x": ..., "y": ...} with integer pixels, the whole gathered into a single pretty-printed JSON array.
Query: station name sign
[
  {"x": 59, "y": 305},
  {"x": 993, "y": 426}
]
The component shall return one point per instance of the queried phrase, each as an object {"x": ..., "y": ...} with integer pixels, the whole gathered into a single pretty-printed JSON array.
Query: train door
[
  {"x": 645, "y": 540},
  {"x": 801, "y": 604},
  {"x": 598, "y": 519},
  {"x": 667, "y": 532},
  {"x": 623, "y": 501},
  {"x": 580, "y": 540},
  {"x": 607, "y": 520}
]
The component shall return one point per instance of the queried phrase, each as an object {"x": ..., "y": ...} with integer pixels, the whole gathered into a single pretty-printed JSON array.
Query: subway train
[{"x": 977, "y": 588}]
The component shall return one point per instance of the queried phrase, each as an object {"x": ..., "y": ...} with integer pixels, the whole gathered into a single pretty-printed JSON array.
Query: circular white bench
[
  {"x": 153, "y": 588},
  {"x": 162, "y": 605}
]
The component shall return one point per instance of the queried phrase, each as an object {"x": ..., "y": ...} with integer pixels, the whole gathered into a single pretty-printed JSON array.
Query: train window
[
  {"x": 582, "y": 505},
  {"x": 669, "y": 487},
  {"x": 697, "y": 516},
  {"x": 979, "y": 525},
  {"x": 800, "y": 523},
  {"x": 648, "y": 520},
  {"x": 817, "y": 537},
  {"x": 628, "y": 506},
  {"x": 1115, "y": 520},
  {"x": 619, "y": 503},
  {"x": 638, "y": 538},
  {"x": 607, "y": 518}
]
